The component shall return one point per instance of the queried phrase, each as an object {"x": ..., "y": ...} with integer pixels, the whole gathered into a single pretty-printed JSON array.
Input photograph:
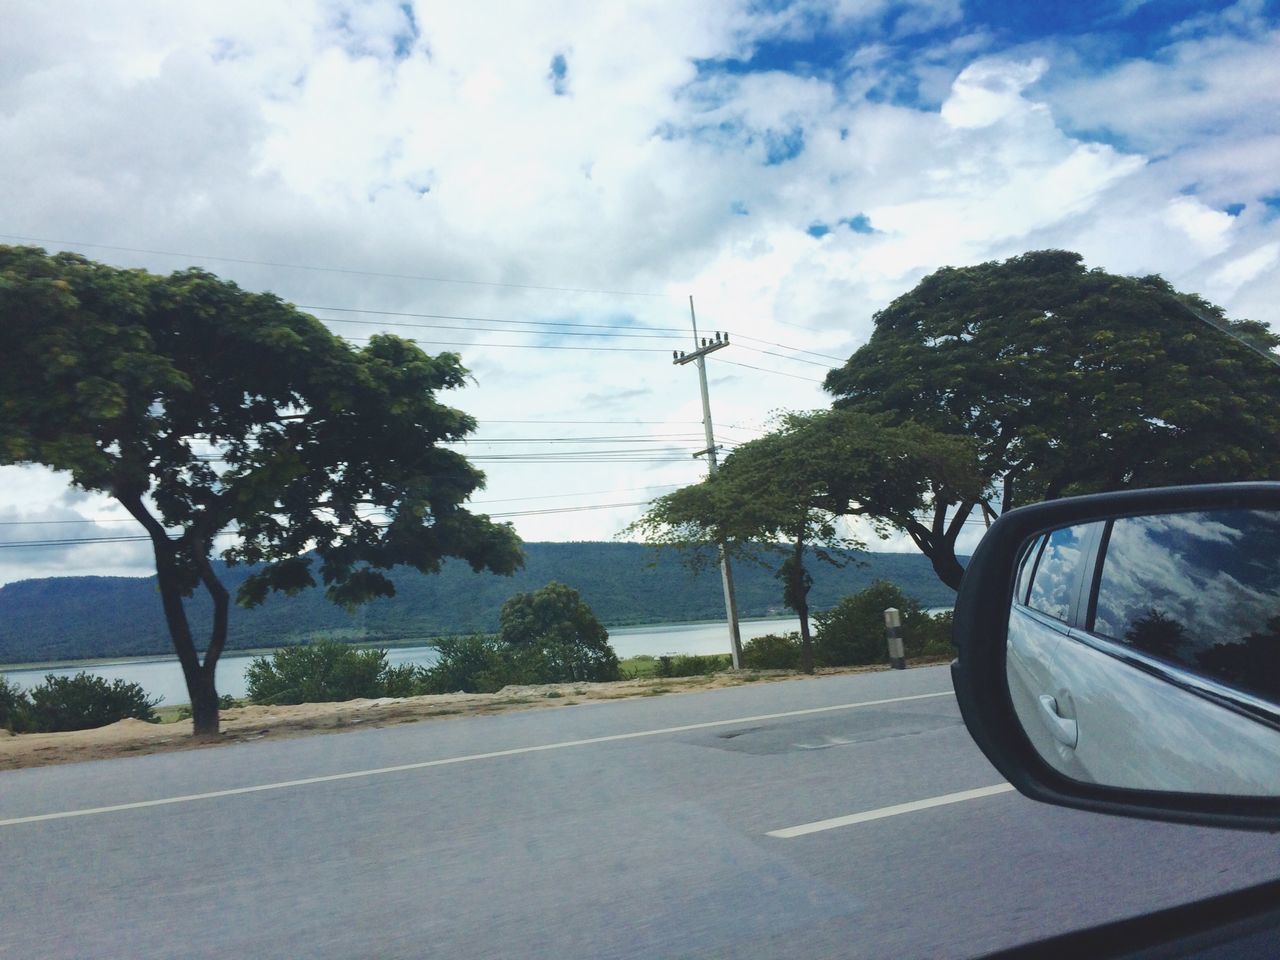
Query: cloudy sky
[{"x": 541, "y": 187}]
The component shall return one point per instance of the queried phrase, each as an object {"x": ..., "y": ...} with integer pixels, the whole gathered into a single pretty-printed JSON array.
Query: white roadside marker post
[{"x": 893, "y": 627}]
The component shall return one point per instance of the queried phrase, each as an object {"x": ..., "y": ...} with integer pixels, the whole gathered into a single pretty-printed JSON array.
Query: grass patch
[{"x": 638, "y": 667}]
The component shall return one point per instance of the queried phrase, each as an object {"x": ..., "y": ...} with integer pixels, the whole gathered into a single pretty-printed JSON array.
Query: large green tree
[
  {"x": 556, "y": 631},
  {"x": 1067, "y": 380},
  {"x": 208, "y": 412},
  {"x": 783, "y": 495}
]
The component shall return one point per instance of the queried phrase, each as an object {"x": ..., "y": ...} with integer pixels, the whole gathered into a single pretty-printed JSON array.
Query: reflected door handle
[{"x": 1065, "y": 731}]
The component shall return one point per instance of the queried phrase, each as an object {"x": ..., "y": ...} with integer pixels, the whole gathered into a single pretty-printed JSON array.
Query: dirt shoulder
[{"x": 249, "y": 723}]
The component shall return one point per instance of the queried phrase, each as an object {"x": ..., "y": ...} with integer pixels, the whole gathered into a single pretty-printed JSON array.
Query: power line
[
  {"x": 633, "y": 437},
  {"x": 766, "y": 370},
  {"x": 650, "y": 333},
  {"x": 771, "y": 343},
  {"x": 432, "y": 279},
  {"x": 343, "y": 270},
  {"x": 519, "y": 346},
  {"x": 545, "y": 333},
  {"x": 470, "y": 503},
  {"x": 450, "y": 316},
  {"x": 660, "y": 423},
  {"x": 774, "y": 353},
  {"x": 139, "y": 538}
]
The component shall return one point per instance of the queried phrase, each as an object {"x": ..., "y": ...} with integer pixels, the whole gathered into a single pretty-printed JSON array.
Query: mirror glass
[{"x": 1144, "y": 652}]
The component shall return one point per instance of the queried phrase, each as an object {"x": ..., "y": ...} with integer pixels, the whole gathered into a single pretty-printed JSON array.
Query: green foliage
[
  {"x": 773, "y": 651},
  {"x": 554, "y": 634},
  {"x": 15, "y": 707},
  {"x": 853, "y": 633},
  {"x": 485, "y": 664},
  {"x": 85, "y": 701},
  {"x": 789, "y": 488},
  {"x": 692, "y": 665},
  {"x": 324, "y": 671},
  {"x": 470, "y": 664},
  {"x": 1065, "y": 380},
  {"x": 326, "y": 452}
]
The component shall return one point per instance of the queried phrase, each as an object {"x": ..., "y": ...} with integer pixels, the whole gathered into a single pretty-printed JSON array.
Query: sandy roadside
[{"x": 245, "y": 724}]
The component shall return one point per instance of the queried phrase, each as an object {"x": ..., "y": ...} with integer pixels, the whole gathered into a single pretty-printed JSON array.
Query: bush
[
  {"x": 401, "y": 681},
  {"x": 692, "y": 665},
  {"x": 555, "y": 638},
  {"x": 15, "y": 708},
  {"x": 473, "y": 664},
  {"x": 852, "y": 633},
  {"x": 485, "y": 664},
  {"x": 773, "y": 651},
  {"x": 86, "y": 701},
  {"x": 322, "y": 671}
]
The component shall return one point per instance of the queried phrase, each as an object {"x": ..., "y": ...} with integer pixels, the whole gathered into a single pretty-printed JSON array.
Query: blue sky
[{"x": 793, "y": 166}]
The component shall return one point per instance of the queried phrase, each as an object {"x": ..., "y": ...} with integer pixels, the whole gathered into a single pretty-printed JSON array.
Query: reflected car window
[
  {"x": 1054, "y": 583},
  {"x": 1024, "y": 572},
  {"x": 1201, "y": 590}
]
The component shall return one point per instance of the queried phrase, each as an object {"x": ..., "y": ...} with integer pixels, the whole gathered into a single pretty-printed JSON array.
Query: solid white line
[
  {"x": 424, "y": 764},
  {"x": 820, "y": 825}
]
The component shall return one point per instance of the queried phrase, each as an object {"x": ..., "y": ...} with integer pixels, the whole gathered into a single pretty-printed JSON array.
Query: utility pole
[{"x": 699, "y": 356}]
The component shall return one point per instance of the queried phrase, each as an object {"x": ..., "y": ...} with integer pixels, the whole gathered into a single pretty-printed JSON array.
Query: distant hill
[{"x": 66, "y": 618}]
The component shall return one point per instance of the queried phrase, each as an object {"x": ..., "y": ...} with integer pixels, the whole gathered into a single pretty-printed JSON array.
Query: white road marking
[
  {"x": 817, "y": 826},
  {"x": 424, "y": 764}
]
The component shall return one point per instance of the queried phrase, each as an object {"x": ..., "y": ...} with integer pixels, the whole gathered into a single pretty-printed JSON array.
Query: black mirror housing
[{"x": 981, "y": 632}]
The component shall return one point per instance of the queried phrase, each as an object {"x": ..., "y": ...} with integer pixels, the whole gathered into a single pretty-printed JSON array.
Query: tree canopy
[
  {"x": 1067, "y": 380},
  {"x": 790, "y": 488},
  {"x": 556, "y": 625},
  {"x": 209, "y": 411}
]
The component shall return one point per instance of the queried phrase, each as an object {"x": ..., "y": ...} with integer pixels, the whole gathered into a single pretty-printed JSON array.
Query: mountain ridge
[{"x": 69, "y": 618}]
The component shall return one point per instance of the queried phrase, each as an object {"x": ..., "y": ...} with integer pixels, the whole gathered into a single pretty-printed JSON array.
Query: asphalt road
[{"x": 659, "y": 827}]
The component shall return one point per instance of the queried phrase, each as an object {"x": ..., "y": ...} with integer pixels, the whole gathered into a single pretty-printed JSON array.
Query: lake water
[{"x": 162, "y": 676}]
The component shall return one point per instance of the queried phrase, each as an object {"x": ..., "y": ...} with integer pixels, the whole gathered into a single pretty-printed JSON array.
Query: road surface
[{"x": 842, "y": 816}]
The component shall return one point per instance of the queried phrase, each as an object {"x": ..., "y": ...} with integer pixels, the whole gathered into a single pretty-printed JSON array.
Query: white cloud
[
  {"x": 1234, "y": 274},
  {"x": 331, "y": 134},
  {"x": 990, "y": 90},
  {"x": 1207, "y": 228}
]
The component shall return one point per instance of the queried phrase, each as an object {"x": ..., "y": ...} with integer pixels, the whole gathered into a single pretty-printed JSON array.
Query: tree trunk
[
  {"x": 798, "y": 597},
  {"x": 946, "y": 566},
  {"x": 204, "y": 698},
  {"x": 806, "y": 641},
  {"x": 199, "y": 678},
  {"x": 204, "y": 704}
]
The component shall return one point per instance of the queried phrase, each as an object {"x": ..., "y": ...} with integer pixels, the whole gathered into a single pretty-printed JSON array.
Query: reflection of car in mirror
[
  {"x": 1113, "y": 624},
  {"x": 1120, "y": 652}
]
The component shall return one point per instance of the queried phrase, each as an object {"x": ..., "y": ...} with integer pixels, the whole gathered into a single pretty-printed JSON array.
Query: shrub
[
  {"x": 472, "y": 664},
  {"x": 15, "y": 707},
  {"x": 321, "y": 671},
  {"x": 853, "y": 633},
  {"x": 86, "y": 701},
  {"x": 556, "y": 638},
  {"x": 773, "y": 651},
  {"x": 401, "y": 681},
  {"x": 932, "y": 637},
  {"x": 692, "y": 665}
]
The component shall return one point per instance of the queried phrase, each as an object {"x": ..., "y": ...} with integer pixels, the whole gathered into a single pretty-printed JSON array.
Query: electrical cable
[
  {"x": 343, "y": 270},
  {"x": 794, "y": 376},
  {"x": 774, "y": 353},
  {"x": 518, "y": 346},
  {"x": 771, "y": 343}
]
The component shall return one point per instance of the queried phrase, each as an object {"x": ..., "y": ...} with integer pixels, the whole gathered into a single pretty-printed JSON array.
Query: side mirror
[{"x": 1121, "y": 653}]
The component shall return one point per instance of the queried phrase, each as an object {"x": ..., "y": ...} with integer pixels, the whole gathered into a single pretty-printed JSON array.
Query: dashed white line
[
  {"x": 446, "y": 761},
  {"x": 788, "y": 833}
]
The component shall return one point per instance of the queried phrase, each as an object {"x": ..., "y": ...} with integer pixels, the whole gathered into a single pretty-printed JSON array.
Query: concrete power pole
[{"x": 699, "y": 356}]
